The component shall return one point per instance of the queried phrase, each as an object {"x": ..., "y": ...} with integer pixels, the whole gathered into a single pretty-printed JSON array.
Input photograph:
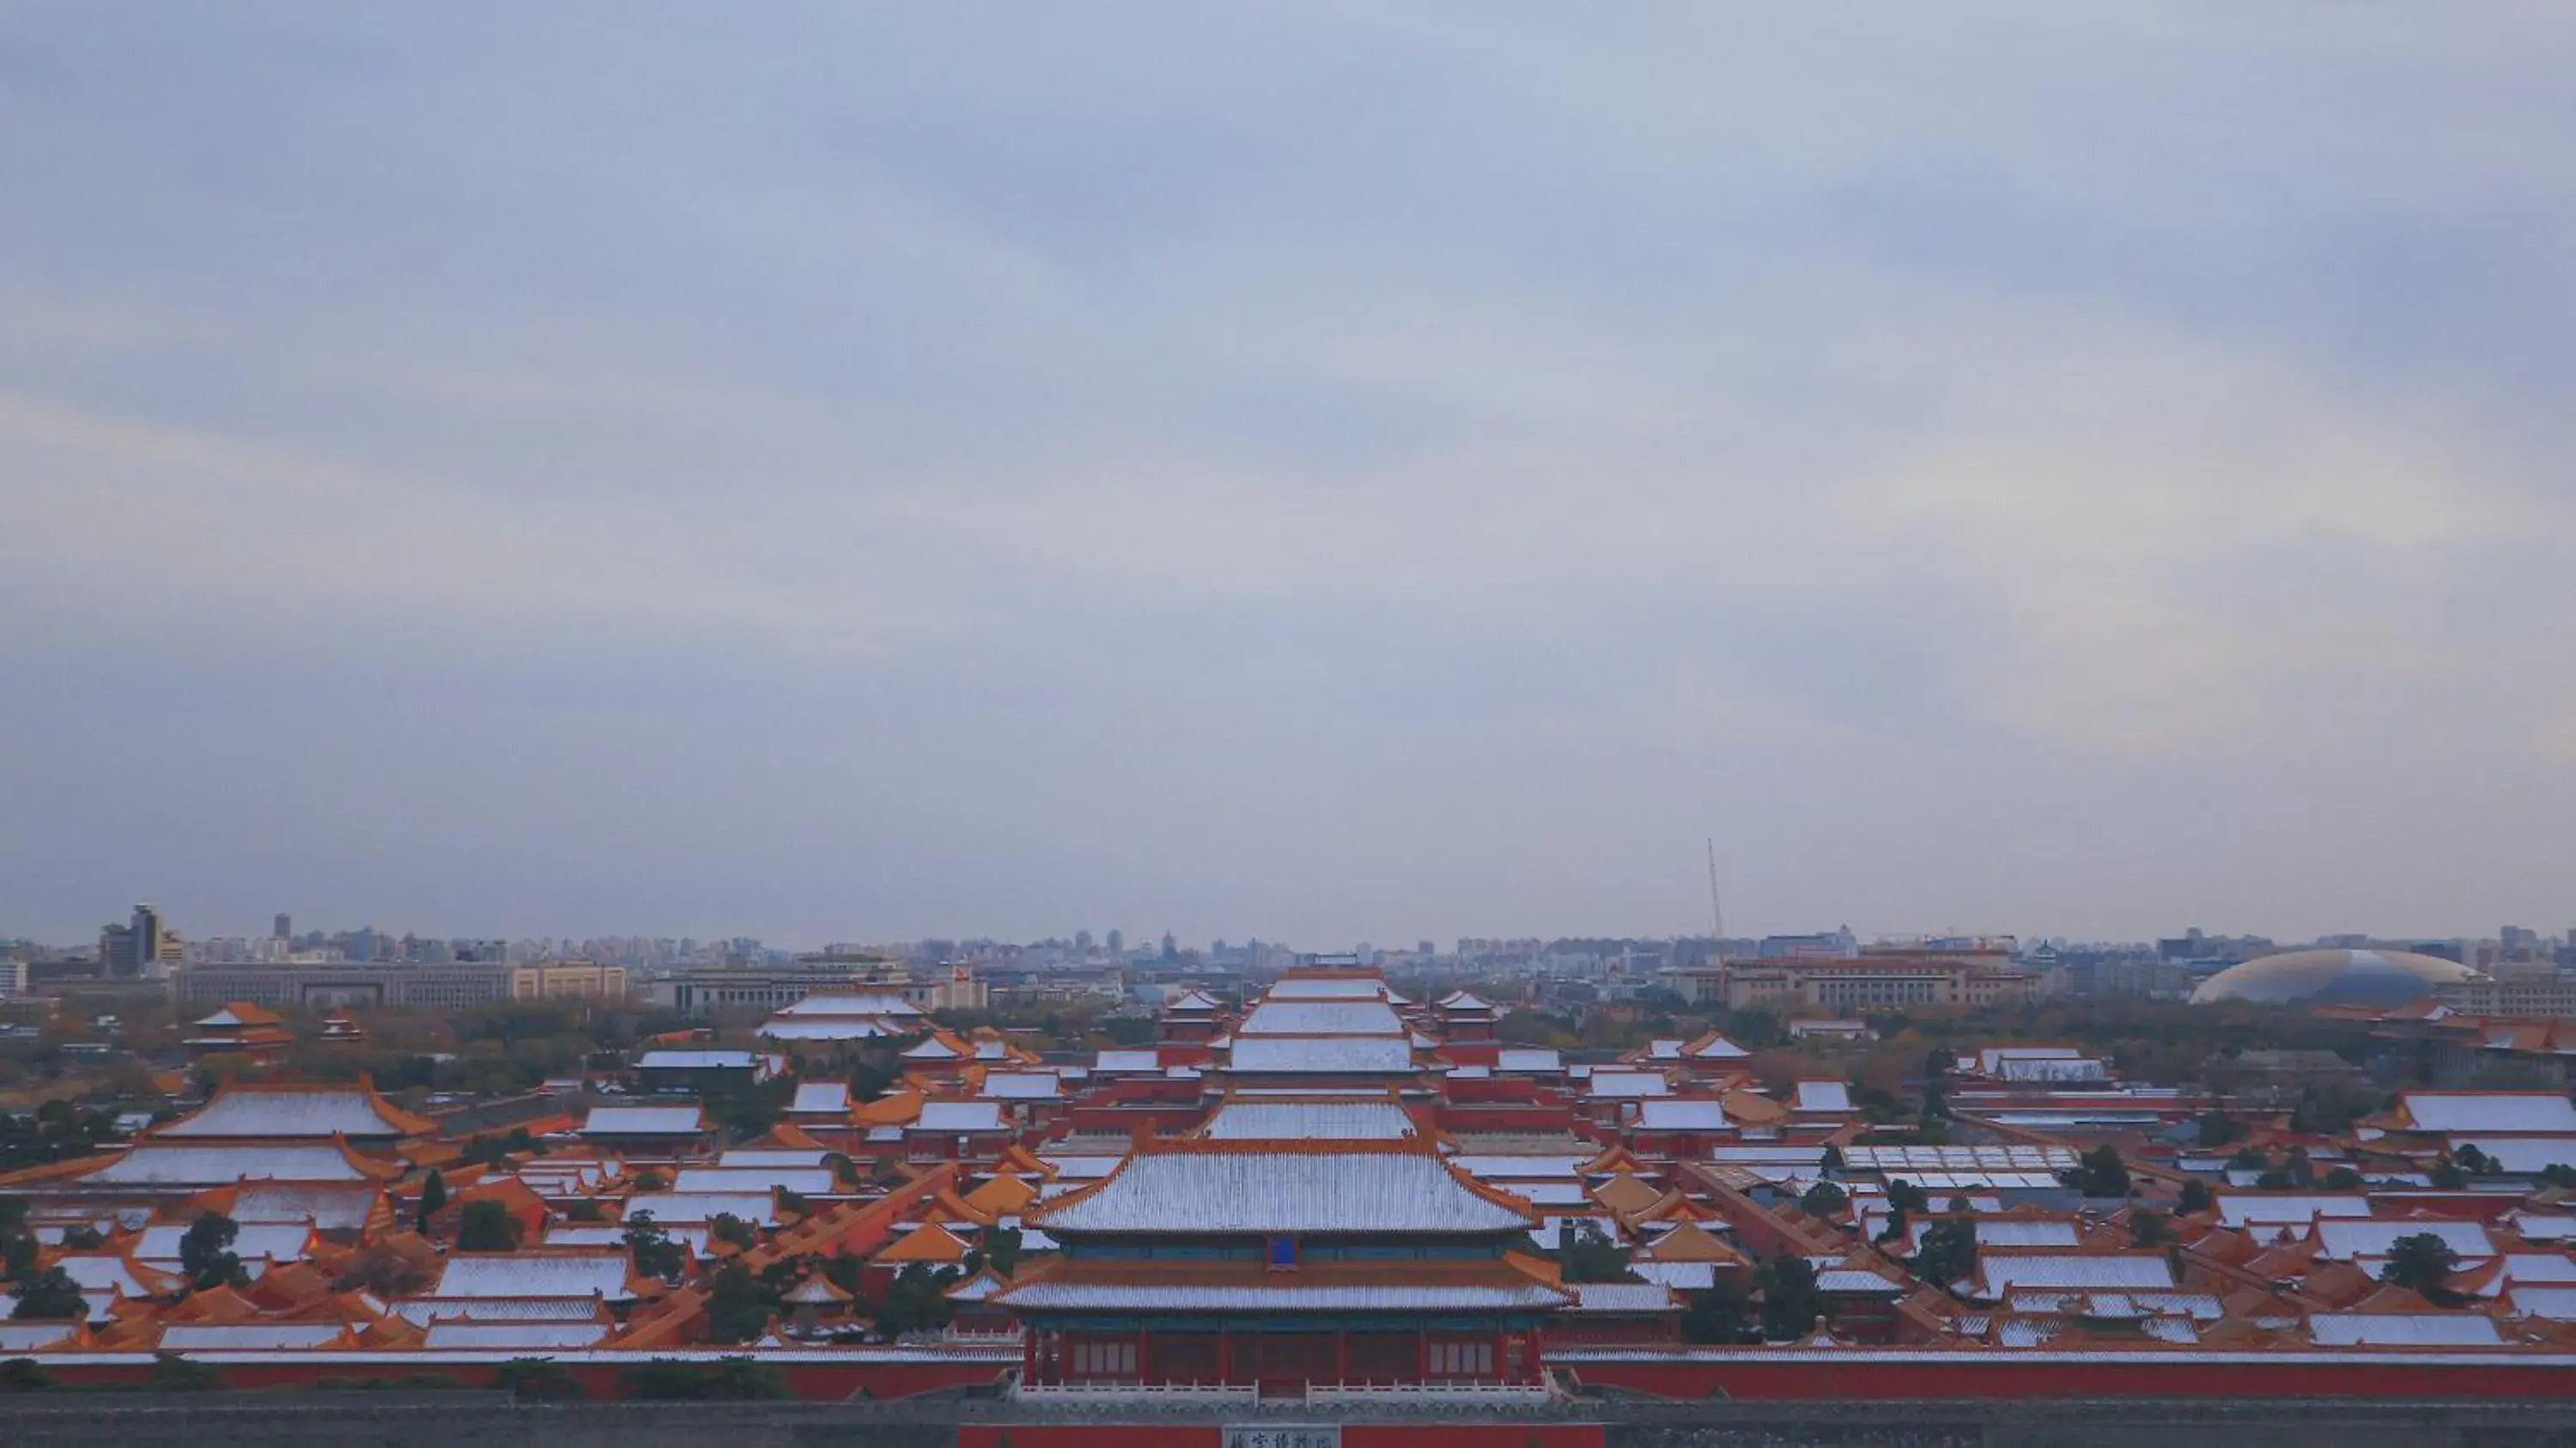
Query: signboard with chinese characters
[{"x": 1284, "y": 1435}]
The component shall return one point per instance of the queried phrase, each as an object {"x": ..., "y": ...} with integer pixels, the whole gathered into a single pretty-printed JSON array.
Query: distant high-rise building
[
  {"x": 1117, "y": 942},
  {"x": 1171, "y": 947},
  {"x": 284, "y": 929},
  {"x": 142, "y": 948}
]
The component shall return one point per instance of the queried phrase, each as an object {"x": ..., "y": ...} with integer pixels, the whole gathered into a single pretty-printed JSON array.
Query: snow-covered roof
[
  {"x": 2341, "y": 1239},
  {"x": 29, "y": 1336},
  {"x": 328, "y": 1208},
  {"x": 1528, "y": 1060},
  {"x": 2051, "y": 1068},
  {"x": 150, "y": 1163},
  {"x": 201, "y": 1336},
  {"x": 1628, "y": 1084},
  {"x": 302, "y": 1111},
  {"x": 698, "y": 1060},
  {"x": 956, "y": 1116},
  {"x": 699, "y": 1208},
  {"x": 826, "y": 1029},
  {"x": 1196, "y": 1187},
  {"x": 1323, "y": 1120},
  {"x": 1322, "y": 1055},
  {"x": 505, "y": 1335},
  {"x": 856, "y": 1004},
  {"x": 2006, "y": 1232},
  {"x": 1520, "y": 1168},
  {"x": 2528, "y": 1155},
  {"x": 1670, "y": 1115},
  {"x": 1680, "y": 1276},
  {"x": 2002, "y": 1272},
  {"x": 535, "y": 1274},
  {"x": 1909, "y": 1160},
  {"x": 2490, "y": 1111},
  {"x": 644, "y": 1121},
  {"x": 806, "y": 1181},
  {"x": 1080, "y": 1166},
  {"x": 1022, "y": 1086},
  {"x": 1287, "y": 1294},
  {"x": 2556, "y": 1304},
  {"x": 1321, "y": 1018},
  {"x": 424, "y": 1310},
  {"x": 1822, "y": 1096},
  {"x": 821, "y": 1098},
  {"x": 2403, "y": 1329},
  {"x": 1458, "y": 1002},
  {"x": 2236, "y": 1209},
  {"x": 253, "y": 1242},
  {"x": 1141, "y": 1063},
  {"x": 1328, "y": 988}
]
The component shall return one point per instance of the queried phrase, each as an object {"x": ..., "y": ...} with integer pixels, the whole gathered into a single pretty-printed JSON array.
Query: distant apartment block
[
  {"x": 553, "y": 980},
  {"x": 318, "y": 987}
]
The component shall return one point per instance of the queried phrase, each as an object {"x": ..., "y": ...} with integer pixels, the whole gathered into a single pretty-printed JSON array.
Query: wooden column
[
  {"x": 1341, "y": 1354},
  {"x": 1144, "y": 1355},
  {"x": 1422, "y": 1354},
  {"x": 1224, "y": 1356}
]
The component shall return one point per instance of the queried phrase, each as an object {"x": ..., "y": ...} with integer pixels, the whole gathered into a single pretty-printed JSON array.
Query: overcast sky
[{"x": 1324, "y": 472}]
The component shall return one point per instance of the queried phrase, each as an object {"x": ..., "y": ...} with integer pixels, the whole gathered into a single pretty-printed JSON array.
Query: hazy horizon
[{"x": 1322, "y": 472}]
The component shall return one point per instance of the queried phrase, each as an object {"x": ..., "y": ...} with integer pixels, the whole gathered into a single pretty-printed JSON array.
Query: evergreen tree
[
  {"x": 206, "y": 1255},
  {"x": 2424, "y": 1263},
  {"x": 487, "y": 1227},
  {"x": 51, "y": 1295},
  {"x": 433, "y": 1196},
  {"x": 1949, "y": 1252}
]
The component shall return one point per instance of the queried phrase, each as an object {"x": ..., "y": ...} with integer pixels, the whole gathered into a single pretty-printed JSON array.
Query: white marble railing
[
  {"x": 1315, "y": 1392},
  {"x": 1428, "y": 1392},
  {"x": 1153, "y": 1392}
]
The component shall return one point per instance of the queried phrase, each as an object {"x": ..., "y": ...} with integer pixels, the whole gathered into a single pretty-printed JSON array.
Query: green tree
[
  {"x": 738, "y": 1306},
  {"x": 487, "y": 1227},
  {"x": 2194, "y": 1198},
  {"x": 2148, "y": 1227},
  {"x": 537, "y": 1379},
  {"x": 206, "y": 1255},
  {"x": 1948, "y": 1253},
  {"x": 1790, "y": 1302},
  {"x": 2473, "y": 1161},
  {"x": 433, "y": 1196},
  {"x": 2101, "y": 1173},
  {"x": 917, "y": 1301},
  {"x": 2343, "y": 1179},
  {"x": 2217, "y": 1128},
  {"x": 1588, "y": 1256},
  {"x": 1002, "y": 1249},
  {"x": 172, "y": 1373},
  {"x": 1722, "y": 1314},
  {"x": 51, "y": 1295},
  {"x": 1823, "y": 1199},
  {"x": 729, "y": 1228},
  {"x": 655, "y": 1254},
  {"x": 2424, "y": 1263}
]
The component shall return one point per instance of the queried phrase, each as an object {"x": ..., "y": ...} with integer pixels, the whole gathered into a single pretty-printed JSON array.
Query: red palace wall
[{"x": 1972, "y": 1375}]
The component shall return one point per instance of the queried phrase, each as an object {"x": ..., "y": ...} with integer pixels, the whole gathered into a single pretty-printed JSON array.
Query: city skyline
[{"x": 1323, "y": 473}]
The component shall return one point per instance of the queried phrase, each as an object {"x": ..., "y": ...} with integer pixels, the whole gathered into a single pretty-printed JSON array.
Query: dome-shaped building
[{"x": 2330, "y": 977}]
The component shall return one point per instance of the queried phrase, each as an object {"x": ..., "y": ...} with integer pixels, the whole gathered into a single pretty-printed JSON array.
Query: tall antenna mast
[
  {"x": 1716, "y": 907},
  {"x": 1717, "y": 917}
]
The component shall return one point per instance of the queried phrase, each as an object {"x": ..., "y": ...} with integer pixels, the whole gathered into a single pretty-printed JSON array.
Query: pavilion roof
[
  {"x": 929, "y": 1242},
  {"x": 1199, "y": 1186},
  {"x": 1474, "y": 1285},
  {"x": 289, "y": 1111},
  {"x": 156, "y": 1162}
]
